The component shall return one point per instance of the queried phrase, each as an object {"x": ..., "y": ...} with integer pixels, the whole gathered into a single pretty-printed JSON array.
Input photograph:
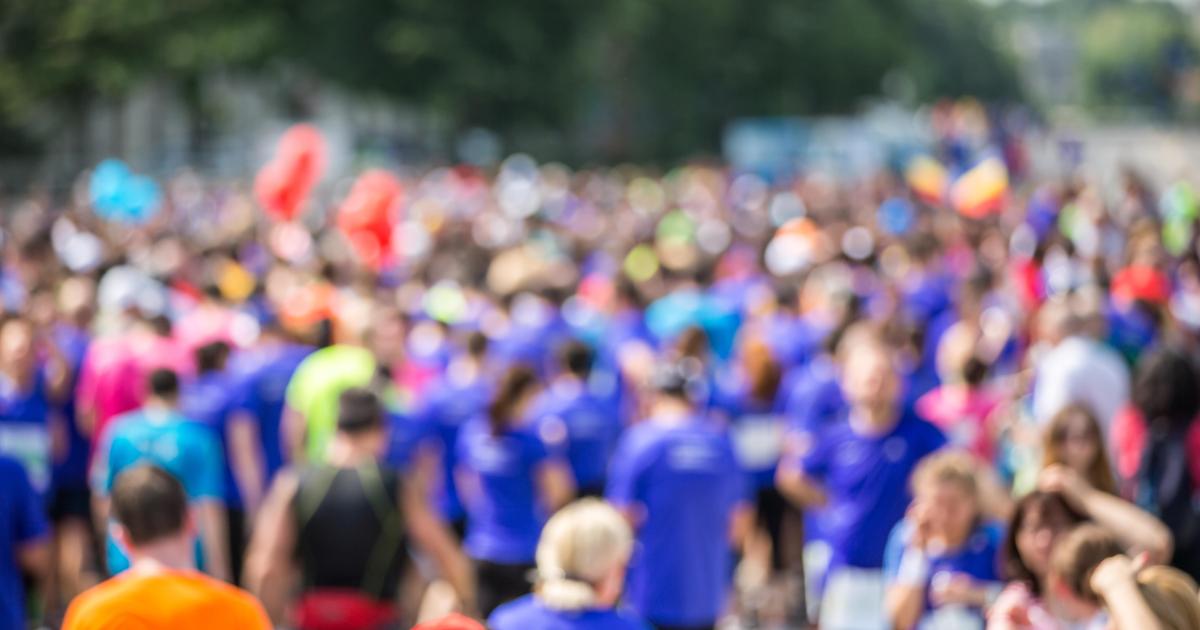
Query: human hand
[
  {"x": 1112, "y": 574},
  {"x": 954, "y": 588},
  {"x": 1067, "y": 482}
]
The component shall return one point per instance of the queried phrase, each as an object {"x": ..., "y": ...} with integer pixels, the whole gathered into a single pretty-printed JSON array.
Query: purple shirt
[
  {"x": 685, "y": 481},
  {"x": 866, "y": 480}
]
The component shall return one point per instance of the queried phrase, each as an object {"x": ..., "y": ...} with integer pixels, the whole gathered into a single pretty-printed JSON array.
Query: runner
[
  {"x": 158, "y": 433},
  {"x": 161, "y": 589}
]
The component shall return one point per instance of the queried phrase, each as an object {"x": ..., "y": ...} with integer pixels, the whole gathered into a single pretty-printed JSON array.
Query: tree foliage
[{"x": 623, "y": 78}]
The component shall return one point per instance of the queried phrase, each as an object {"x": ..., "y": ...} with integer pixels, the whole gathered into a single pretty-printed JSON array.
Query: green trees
[{"x": 612, "y": 79}]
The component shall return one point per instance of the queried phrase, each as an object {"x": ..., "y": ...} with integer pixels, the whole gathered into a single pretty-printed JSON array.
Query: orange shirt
[{"x": 178, "y": 600}]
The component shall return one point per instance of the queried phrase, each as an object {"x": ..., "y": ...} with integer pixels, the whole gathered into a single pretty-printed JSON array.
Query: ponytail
[
  {"x": 580, "y": 545},
  {"x": 516, "y": 382}
]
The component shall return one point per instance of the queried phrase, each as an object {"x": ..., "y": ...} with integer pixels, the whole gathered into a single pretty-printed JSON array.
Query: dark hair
[
  {"x": 975, "y": 371},
  {"x": 576, "y": 358},
  {"x": 516, "y": 382},
  {"x": 160, "y": 324},
  {"x": 359, "y": 410},
  {"x": 1039, "y": 501},
  {"x": 163, "y": 383},
  {"x": 1166, "y": 389},
  {"x": 211, "y": 357},
  {"x": 149, "y": 503},
  {"x": 477, "y": 344},
  {"x": 1078, "y": 554}
]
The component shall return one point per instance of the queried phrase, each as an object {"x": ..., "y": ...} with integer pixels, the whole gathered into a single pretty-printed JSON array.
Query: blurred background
[{"x": 406, "y": 83}]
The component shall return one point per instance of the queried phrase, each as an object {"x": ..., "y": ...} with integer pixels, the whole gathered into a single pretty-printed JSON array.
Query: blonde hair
[
  {"x": 1171, "y": 594},
  {"x": 948, "y": 466},
  {"x": 579, "y": 546}
]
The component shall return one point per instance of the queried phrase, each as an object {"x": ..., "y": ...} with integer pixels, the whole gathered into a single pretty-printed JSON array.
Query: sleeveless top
[{"x": 350, "y": 529}]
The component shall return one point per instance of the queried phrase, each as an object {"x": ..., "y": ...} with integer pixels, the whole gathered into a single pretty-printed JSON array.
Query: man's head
[
  {"x": 361, "y": 419},
  {"x": 868, "y": 373},
  {"x": 359, "y": 411},
  {"x": 211, "y": 357},
  {"x": 150, "y": 508},
  {"x": 164, "y": 385},
  {"x": 575, "y": 358}
]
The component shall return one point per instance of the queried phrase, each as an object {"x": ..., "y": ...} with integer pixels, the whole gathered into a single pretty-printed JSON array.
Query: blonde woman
[
  {"x": 1153, "y": 598},
  {"x": 581, "y": 560}
]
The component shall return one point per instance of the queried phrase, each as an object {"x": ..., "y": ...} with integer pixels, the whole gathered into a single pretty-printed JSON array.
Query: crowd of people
[{"x": 608, "y": 399}]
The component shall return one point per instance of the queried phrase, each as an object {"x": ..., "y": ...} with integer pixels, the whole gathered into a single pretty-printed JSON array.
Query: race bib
[
  {"x": 854, "y": 600},
  {"x": 757, "y": 441}
]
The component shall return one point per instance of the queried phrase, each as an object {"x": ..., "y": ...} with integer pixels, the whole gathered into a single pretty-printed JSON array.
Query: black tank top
[{"x": 351, "y": 529}]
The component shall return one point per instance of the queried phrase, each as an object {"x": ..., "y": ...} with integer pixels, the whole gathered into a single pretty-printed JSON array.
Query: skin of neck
[
  {"x": 175, "y": 552},
  {"x": 608, "y": 591},
  {"x": 670, "y": 408},
  {"x": 351, "y": 449},
  {"x": 157, "y": 403},
  {"x": 874, "y": 418}
]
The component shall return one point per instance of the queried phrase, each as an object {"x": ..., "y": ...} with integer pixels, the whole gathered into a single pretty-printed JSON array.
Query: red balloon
[
  {"x": 284, "y": 183},
  {"x": 368, "y": 215}
]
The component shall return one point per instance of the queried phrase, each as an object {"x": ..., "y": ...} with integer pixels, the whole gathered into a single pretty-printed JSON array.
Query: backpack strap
[
  {"x": 391, "y": 520},
  {"x": 311, "y": 492}
]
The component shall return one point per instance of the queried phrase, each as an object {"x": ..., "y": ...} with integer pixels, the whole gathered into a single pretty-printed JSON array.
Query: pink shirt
[
  {"x": 963, "y": 418},
  {"x": 112, "y": 379}
]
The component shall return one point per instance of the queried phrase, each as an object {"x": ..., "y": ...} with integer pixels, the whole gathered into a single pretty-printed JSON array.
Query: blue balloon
[
  {"x": 141, "y": 199},
  {"x": 117, "y": 194},
  {"x": 108, "y": 180}
]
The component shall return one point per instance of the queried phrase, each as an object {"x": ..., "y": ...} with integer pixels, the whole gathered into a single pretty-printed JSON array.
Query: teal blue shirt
[{"x": 188, "y": 450}]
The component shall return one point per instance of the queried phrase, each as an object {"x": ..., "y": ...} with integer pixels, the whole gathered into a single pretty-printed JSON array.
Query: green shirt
[{"x": 318, "y": 382}]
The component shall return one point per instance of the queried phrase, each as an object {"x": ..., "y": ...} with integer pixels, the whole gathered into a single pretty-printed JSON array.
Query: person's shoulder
[
  {"x": 920, "y": 429},
  {"x": 625, "y": 619},
  {"x": 96, "y": 606},
  {"x": 227, "y": 606},
  {"x": 524, "y": 612},
  {"x": 236, "y": 607}
]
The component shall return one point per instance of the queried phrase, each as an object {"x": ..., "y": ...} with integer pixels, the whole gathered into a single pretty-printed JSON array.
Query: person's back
[
  {"x": 684, "y": 479},
  {"x": 315, "y": 386},
  {"x": 591, "y": 431},
  {"x": 160, "y": 435},
  {"x": 265, "y": 374},
  {"x": 528, "y": 612},
  {"x": 504, "y": 520},
  {"x": 174, "y": 600},
  {"x": 331, "y": 501},
  {"x": 161, "y": 589}
]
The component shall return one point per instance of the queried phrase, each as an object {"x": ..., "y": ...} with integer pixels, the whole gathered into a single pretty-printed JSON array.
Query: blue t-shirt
[
  {"x": 446, "y": 407},
  {"x": 591, "y": 428},
  {"x": 814, "y": 397},
  {"x": 188, "y": 450},
  {"x": 21, "y": 522},
  {"x": 866, "y": 481},
  {"x": 979, "y": 558},
  {"x": 211, "y": 400},
  {"x": 71, "y": 471},
  {"x": 407, "y": 434},
  {"x": 685, "y": 481},
  {"x": 264, "y": 375},
  {"x": 528, "y": 613},
  {"x": 505, "y": 520},
  {"x": 24, "y": 432}
]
